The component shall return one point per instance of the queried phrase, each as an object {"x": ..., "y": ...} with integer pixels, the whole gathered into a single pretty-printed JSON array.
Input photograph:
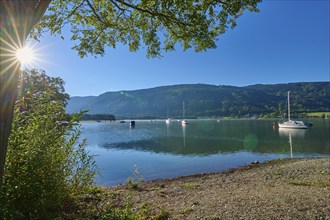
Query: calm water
[{"x": 160, "y": 150}]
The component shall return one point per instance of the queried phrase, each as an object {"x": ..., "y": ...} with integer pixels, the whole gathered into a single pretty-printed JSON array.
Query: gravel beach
[{"x": 278, "y": 189}]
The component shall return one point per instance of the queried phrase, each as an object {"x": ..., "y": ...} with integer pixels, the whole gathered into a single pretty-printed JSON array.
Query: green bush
[{"x": 45, "y": 167}]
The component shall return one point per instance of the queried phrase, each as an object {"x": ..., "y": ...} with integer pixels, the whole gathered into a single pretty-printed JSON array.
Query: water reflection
[
  {"x": 297, "y": 133},
  {"x": 184, "y": 136},
  {"x": 167, "y": 128},
  {"x": 290, "y": 142},
  {"x": 202, "y": 138},
  {"x": 166, "y": 150}
]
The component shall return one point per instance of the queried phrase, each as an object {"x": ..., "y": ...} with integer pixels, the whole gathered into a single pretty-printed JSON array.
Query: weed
[
  {"x": 163, "y": 215},
  {"x": 300, "y": 183},
  {"x": 195, "y": 203},
  {"x": 186, "y": 211},
  {"x": 162, "y": 193},
  {"x": 312, "y": 183},
  {"x": 191, "y": 186},
  {"x": 131, "y": 184},
  {"x": 134, "y": 181}
]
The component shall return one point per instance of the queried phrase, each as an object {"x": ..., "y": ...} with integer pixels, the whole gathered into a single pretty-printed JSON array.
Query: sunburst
[
  {"x": 16, "y": 51},
  {"x": 26, "y": 56}
]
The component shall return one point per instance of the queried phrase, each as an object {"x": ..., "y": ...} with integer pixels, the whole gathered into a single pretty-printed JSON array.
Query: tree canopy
[
  {"x": 155, "y": 25},
  {"x": 36, "y": 84}
]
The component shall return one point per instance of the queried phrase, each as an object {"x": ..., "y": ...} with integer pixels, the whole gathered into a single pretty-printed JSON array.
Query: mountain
[{"x": 202, "y": 100}]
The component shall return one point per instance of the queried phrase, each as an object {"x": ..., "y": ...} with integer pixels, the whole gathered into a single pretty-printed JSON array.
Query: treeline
[{"x": 97, "y": 117}]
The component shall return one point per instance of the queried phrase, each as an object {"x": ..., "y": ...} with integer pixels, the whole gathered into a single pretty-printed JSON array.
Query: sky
[{"x": 287, "y": 41}]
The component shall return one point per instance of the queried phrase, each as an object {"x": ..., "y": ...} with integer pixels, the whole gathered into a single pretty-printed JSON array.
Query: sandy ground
[{"x": 279, "y": 189}]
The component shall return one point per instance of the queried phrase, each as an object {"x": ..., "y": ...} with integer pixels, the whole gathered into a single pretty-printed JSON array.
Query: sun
[{"x": 26, "y": 56}]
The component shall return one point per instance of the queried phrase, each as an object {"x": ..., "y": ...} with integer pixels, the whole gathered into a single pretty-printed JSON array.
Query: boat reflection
[
  {"x": 290, "y": 142},
  {"x": 296, "y": 133},
  {"x": 184, "y": 135},
  {"x": 167, "y": 129},
  {"x": 293, "y": 132}
]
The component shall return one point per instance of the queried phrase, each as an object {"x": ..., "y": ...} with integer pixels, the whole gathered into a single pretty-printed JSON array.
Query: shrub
[{"x": 45, "y": 167}]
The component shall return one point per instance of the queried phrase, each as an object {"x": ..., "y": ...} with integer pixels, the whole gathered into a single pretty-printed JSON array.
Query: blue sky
[{"x": 288, "y": 41}]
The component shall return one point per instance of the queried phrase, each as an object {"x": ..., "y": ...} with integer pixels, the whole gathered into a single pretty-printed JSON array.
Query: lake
[{"x": 158, "y": 150}]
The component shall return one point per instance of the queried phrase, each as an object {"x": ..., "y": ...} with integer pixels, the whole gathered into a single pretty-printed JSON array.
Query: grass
[
  {"x": 318, "y": 114},
  {"x": 162, "y": 193},
  {"x": 194, "y": 203},
  {"x": 296, "y": 183},
  {"x": 186, "y": 211},
  {"x": 191, "y": 186},
  {"x": 102, "y": 203},
  {"x": 134, "y": 181},
  {"x": 131, "y": 184},
  {"x": 318, "y": 183}
]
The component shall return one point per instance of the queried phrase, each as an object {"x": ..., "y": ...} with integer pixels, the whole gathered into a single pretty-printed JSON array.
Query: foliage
[
  {"x": 209, "y": 101},
  {"x": 45, "y": 166},
  {"x": 36, "y": 84},
  {"x": 158, "y": 25},
  {"x": 134, "y": 181},
  {"x": 131, "y": 184}
]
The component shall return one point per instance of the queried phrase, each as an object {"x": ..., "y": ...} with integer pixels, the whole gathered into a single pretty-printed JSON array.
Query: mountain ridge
[{"x": 206, "y": 100}]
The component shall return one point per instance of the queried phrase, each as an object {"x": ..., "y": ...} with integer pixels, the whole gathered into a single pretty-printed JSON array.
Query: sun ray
[
  {"x": 3, "y": 70},
  {"x": 13, "y": 40},
  {"x": 26, "y": 56},
  {"x": 16, "y": 51}
]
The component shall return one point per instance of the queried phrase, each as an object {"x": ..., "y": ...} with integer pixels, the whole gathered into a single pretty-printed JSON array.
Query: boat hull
[{"x": 293, "y": 125}]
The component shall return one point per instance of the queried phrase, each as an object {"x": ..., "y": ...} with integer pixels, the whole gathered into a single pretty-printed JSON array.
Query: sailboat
[
  {"x": 183, "y": 122},
  {"x": 291, "y": 123}
]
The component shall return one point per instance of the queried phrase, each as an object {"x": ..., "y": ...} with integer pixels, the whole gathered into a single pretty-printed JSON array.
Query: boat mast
[
  {"x": 289, "y": 105},
  {"x": 183, "y": 110}
]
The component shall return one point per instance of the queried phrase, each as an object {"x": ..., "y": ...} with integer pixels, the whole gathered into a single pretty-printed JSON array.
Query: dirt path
[{"x": 279, "y": 189}]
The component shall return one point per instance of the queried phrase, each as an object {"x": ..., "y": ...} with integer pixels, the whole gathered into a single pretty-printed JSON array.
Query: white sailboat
[{"x": 291, "y": 123}]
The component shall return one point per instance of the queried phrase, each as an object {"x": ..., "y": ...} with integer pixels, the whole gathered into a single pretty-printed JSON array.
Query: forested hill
[{"x": 203, "y": 100}]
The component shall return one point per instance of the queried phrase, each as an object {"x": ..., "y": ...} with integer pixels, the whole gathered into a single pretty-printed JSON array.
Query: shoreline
[{"x": 297, "y": 188}]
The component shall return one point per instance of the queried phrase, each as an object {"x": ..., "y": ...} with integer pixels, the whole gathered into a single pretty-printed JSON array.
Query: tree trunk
[
  {"x": 17, "y": 17},
  {"x": 8, "y": 93}
]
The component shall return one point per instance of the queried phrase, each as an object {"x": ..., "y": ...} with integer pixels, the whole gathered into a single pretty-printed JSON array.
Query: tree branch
[
  {"x": 153, "y": 13},
  {"x": 94, "y": 12},
  {"x": 75, "y": 9},
  {"x": 120, "y": 8}
]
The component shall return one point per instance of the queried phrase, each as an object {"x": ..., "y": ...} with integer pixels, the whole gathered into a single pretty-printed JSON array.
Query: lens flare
[{"x": 26, "y": 56}]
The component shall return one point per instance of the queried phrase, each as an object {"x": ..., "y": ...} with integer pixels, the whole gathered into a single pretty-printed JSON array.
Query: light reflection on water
[{"x": 163, "y": 150}]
